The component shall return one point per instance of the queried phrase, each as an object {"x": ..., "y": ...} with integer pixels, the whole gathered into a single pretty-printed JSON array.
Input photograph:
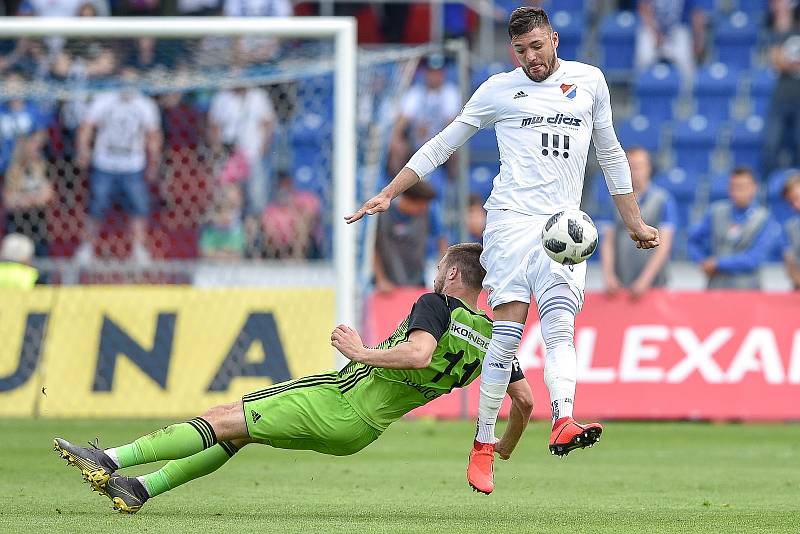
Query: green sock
[
  {"x": 178, "y": 472},
  {"x": 169, "y": 443}
]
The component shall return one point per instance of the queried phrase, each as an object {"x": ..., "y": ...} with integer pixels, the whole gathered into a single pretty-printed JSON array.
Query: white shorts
[{"x": 517, "y": 265}]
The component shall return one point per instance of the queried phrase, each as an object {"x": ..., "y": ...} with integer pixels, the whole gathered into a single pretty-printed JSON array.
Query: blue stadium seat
[
  {"x": 746, "y": 141},
  {"x": 755, "y": 7},
  {"x": 683, "y": 187},
  {"x": 640, "y": 131},
  {"x": 309, "y": 128},
  {"x": 718, "y": 186},
  {"x": 762, "y": 84},
  {"x": 735, "y": 39},
  {"x": 693, "y": 142},
  {"x": 707, "y": 5},
  {"x": 571, "y": 28},
  {"x": 656, "y": 90},
  {"x": 483, "y": 147},
  {"x": 481, "y": 178},
  {"x": 714, "y": 90},
  {"x": 618, "y": 40},
  {"x": 775, "y": 182}
]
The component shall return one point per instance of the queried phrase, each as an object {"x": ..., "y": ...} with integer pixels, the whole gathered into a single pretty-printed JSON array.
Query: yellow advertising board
[{"x": 147, "y": 351}]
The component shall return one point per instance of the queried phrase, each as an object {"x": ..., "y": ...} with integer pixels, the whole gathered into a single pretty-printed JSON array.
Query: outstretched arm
[
  {"x": 426, "y": 159},
  {"x": 521, "y": 407},
  {"x": 415, "y": 353}
]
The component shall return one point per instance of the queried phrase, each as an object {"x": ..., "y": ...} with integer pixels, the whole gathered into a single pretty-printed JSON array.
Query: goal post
[{"x": 342, "y": 30}]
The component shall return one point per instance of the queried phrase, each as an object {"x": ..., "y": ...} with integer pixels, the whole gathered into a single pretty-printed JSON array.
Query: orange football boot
[
  {"x": 568, "y": 435},
  {"x": 480, "y": 471}
]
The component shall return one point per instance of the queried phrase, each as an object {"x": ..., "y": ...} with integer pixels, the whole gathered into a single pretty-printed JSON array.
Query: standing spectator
[
  {"x": 624, "y": 265},
  {"x": 783, "y": 122},
  {"x": 26, "y": 188},
  {"x": 241, "y": 123},
  {"x": 16, "y": 254},
  {"x": 665, "y": 34},
  {"x": 425, "y": 110},
  {"x": 735, "y": 236},
  {"x": 401, "y": 239},
  {"x": 291, "y": 222},
  {"x": 791, "y": 231},
  {"x": 223, "y": 236},
  {"x": 126, "y": 155},
  {"x": 251, "y": 49}
]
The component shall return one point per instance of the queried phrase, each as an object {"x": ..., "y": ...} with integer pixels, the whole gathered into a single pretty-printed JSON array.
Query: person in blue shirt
[
  {"x": 20, "y": 120},
  {"x": 624, "y": 265},
  {"x": 735, "y": 236},
  {"x": 791, "y": 231}
]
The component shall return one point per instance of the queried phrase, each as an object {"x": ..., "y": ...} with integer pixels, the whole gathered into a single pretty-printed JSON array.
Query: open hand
[{"x": 376, "y": 204}]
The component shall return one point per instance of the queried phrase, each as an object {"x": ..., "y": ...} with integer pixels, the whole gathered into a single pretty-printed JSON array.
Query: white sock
[
  {"x": 112, "y": 453},
  {"x": 557, "y": 317},
  {"x": 495, "y": 375}
]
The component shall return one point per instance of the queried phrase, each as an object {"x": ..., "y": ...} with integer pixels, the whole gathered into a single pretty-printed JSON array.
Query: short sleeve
[
  {"x": 216, "y": 110},
  {"x": 601, "y": 111},
  {"x": 95, "y": 112},
  {"x": 431, "y": 314},
  {"x": 410, "y": 105},
  {"x": 263, "y": 106},
  {"x": 516, "y": 371},
  {"x": 480, "y": 110}
]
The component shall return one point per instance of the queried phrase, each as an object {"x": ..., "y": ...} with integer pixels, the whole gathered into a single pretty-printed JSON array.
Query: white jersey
[
  {"x": 122, "y": 121},
  {"x": 543, "y": 132}
]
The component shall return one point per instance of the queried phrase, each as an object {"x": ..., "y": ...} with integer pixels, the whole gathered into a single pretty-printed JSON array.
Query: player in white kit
[{"x": 544, "y": 113}]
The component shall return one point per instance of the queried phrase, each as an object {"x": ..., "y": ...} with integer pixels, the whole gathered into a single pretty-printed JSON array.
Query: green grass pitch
[{"x": 642, "y": 477}]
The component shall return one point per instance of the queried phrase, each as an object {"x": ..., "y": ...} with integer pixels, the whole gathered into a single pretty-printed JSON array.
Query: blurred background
[{"x": 172, "y": 201}]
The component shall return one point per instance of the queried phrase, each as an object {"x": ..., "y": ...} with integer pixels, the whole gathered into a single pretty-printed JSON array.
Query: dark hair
[
  {"x": 525, "y": 19},
  {"x": 420, "y": 191},
  {"x": 467, "y": 257},
  {"x": 740, "y": 171}
]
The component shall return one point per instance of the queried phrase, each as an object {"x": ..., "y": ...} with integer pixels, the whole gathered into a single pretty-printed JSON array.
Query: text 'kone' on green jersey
[{"x": 381, "y": 396}]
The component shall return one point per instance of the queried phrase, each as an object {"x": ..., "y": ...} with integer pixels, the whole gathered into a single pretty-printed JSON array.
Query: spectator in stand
[
  {"x": 223, "y": 236},
  {"x": 782, "y": 135},
  {"x": 402, "y": 239},
  {"x": 241, "y": 122},
  {"x": 291, "y": 222},
  {"x": 735, "y": 237},
  {"x": 791, "y": 231},
  {"x": 61, "y": 8},
  {"x": 624, "y": 265},
  {"x": 250, "y": 50},
  {"x": 126, "y": 155},
  {"x": 476, "y": 219},
  {"x": 672, "y": 31},
  {"x": 426, "y": 109},
  {"x": 26, "y": 188},
  {"x": 16, "y": 255}
]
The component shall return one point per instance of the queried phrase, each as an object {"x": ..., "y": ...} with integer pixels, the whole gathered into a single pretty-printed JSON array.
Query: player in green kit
[{"x": 438, "y": 347}]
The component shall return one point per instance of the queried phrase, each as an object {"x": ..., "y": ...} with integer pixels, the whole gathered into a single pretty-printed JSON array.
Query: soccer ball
[{"x": 569, "y": 237}]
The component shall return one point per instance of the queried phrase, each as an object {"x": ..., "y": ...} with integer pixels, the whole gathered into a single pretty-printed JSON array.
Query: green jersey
[{"x": 381, "y": 396}]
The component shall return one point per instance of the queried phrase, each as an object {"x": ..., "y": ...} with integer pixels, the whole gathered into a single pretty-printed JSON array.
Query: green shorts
[{"x": 309, "y": 413}]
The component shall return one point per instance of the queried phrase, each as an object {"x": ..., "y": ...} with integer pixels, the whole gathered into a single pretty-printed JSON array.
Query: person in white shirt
[
  {"x": 126, "y": 129},
  {"x": 544, "y": 113},
  {"x": 425, "y": 110},
  {"x": 241, "y": 123}
]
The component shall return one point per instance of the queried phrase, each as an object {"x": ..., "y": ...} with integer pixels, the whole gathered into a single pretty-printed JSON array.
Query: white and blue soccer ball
[{"x": 569, "y": 237}]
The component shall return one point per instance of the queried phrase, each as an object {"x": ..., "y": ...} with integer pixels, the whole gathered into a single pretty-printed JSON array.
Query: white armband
[
  {"x": 439, "y": 149},
  {"x": 612, "y": 160}
]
